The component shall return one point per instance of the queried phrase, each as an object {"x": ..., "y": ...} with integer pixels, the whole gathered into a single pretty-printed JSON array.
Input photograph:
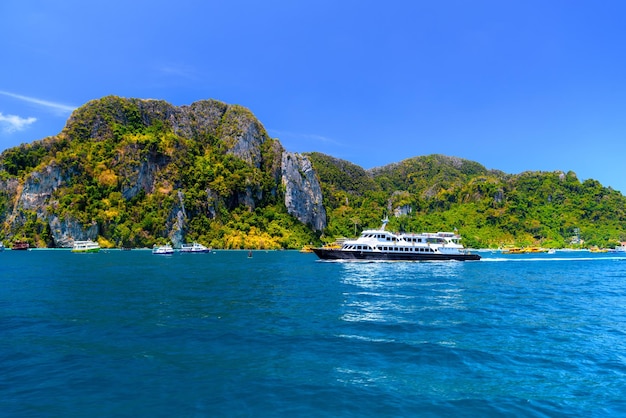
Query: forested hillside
[
  {"x": 132, "y": 172},
  {"x": 489, "y": 208}
]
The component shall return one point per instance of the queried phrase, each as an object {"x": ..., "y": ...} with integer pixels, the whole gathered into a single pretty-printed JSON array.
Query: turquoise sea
[{"x": 281, "y": 334}]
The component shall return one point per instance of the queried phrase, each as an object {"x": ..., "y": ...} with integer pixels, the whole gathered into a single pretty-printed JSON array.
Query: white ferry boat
[
  {"x": 85, "y": 247},
  {"x": 163, "y": 249},
  {"x": 379, "y": 244},
  {"x": 194, "y": 248}
]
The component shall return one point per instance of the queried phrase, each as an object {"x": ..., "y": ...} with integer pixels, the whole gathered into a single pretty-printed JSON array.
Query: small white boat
[
  {"x": 621, "y": 248},
  {"x": 194, "y": 248},
  {"x": 1, "y": 246},
  {"x": 85, "y": 247},
  {"x": 162, "y": 249}
]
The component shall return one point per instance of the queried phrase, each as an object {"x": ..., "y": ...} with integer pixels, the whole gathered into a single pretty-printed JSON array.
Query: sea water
[{"x": 280, "y": 333}]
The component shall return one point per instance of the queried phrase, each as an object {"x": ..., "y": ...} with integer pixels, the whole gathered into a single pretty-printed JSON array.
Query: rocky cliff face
[
  {"x": 303, "y": 194},
  {"x": 39, "y": 186},
  {"x": 35, "y": 196},
  {"x": 67, "y": 230}
]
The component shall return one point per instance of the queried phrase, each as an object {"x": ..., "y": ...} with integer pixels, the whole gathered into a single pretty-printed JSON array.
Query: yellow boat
[
  {"x": 525, "y": 250},
  {"x": 307, "y": 249},
  {"x": 515, "y": 250},
  {"x": 532, "y": 250}
]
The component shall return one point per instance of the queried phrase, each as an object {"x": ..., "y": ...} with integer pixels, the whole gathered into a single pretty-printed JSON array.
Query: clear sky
[{"x": 515, "y": 85}]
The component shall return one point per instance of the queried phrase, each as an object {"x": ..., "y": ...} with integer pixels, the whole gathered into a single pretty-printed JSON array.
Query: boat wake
[{"x": 532, "y": 259}]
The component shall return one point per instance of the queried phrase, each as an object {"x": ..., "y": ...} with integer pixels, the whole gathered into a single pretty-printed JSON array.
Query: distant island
[{"x": 134, "y": 173}]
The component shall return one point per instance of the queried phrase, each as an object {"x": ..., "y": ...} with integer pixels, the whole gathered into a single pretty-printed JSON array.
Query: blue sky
[{"x": 515, "y": 85}]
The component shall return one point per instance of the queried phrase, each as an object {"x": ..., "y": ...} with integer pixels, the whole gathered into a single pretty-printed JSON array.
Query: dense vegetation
[
  {"x": 108, "y": 148},
  {"x": 489, "y": 208},
  {"x": 128, "y": 174}
]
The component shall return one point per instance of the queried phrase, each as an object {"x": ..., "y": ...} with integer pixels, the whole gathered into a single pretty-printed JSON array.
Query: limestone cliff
[{"x": 303, "y": 194}]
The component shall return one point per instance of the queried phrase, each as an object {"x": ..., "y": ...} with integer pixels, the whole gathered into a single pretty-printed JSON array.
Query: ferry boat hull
[{"x": 339, "y": 254}]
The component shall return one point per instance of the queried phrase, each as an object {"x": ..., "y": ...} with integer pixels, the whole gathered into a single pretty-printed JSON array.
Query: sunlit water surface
[{"x": 128, "y": 333}]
